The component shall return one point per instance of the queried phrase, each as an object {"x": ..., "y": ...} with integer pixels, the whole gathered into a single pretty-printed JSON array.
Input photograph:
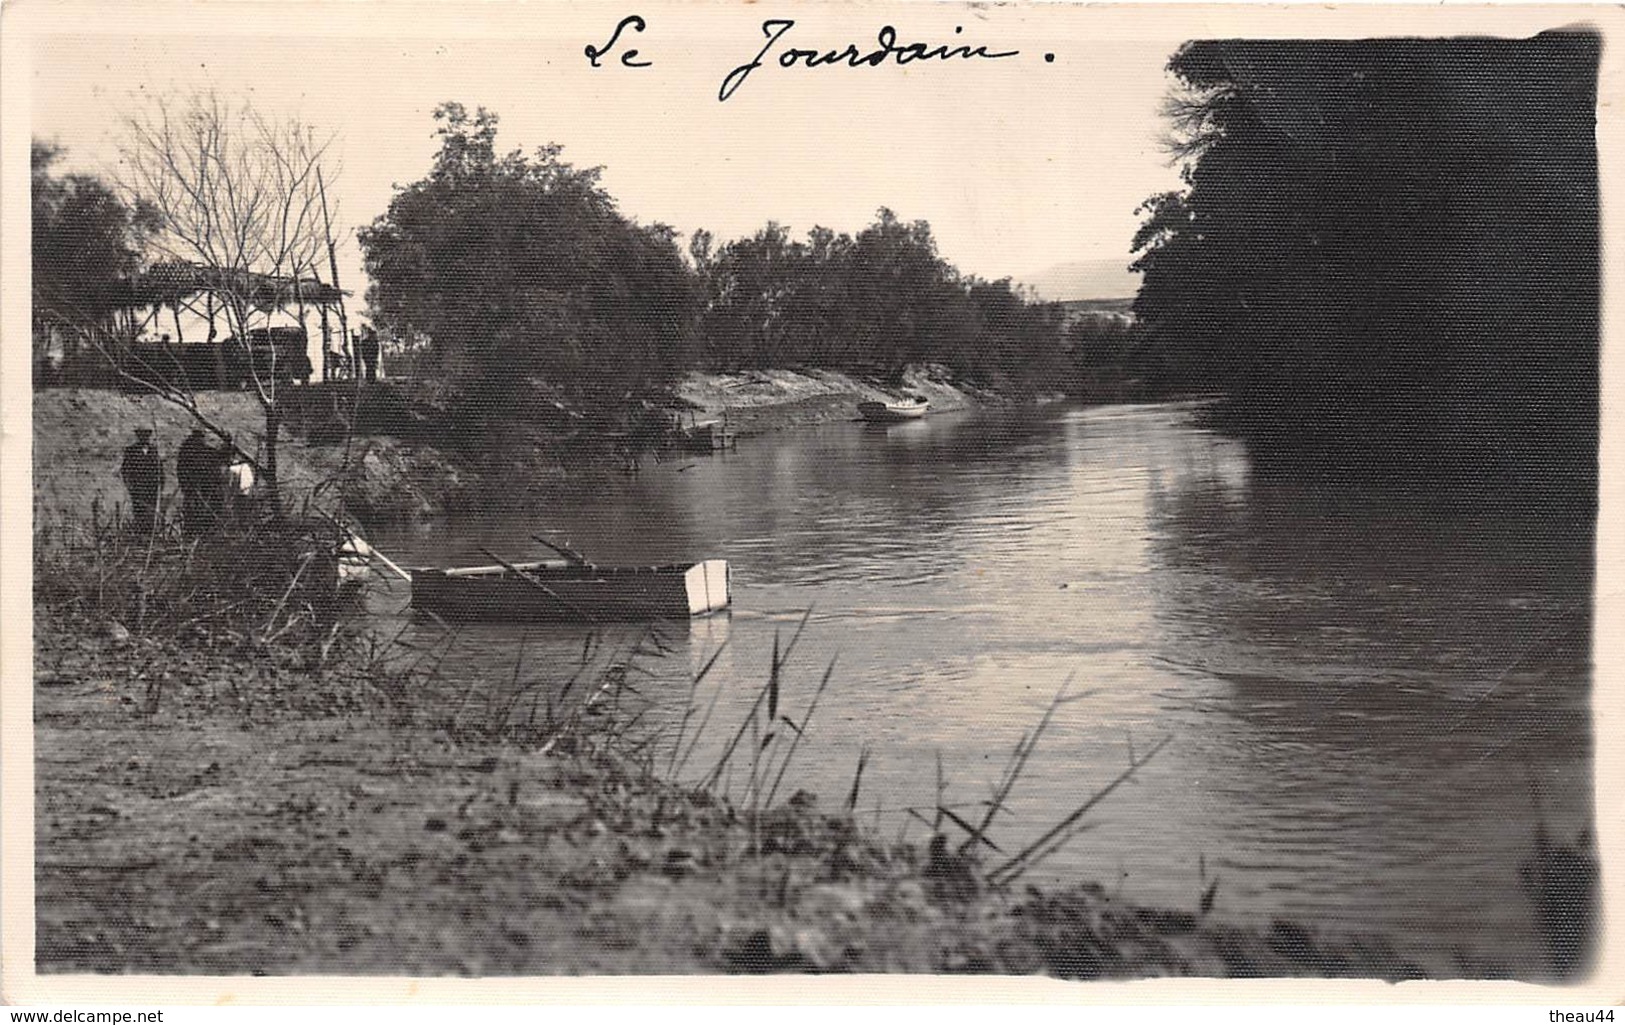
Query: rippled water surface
[{"x": 1370, "y": 702}]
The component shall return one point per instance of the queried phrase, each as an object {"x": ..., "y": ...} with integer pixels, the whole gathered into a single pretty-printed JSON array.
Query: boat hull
[
  {"x": 891, "y": 412},
  {"x": 552, "y": 592},
  {"x": 711, "y": 436}
]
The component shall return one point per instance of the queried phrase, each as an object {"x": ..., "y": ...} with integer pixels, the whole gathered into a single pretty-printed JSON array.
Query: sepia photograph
[{"x": 907, "y": 489}]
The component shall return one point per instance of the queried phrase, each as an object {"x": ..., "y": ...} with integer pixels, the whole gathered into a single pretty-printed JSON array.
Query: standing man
[
  {"x": 367, "y": 342},
  {"x": 196, "y": 465},
  {"x": 143, "y": 473}
]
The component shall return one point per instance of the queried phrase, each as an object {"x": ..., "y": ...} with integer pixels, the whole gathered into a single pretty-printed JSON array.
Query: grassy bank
[{"x": 217, "y": 792}]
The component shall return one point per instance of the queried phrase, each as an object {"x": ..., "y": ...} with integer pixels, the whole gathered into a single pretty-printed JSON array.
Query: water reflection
[
  {"x": 1393, "y": 693},
  {"x": 1369, "y": 698}
]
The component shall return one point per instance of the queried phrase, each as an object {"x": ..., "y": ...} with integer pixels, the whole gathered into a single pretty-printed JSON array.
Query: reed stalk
[
  {"x": 1063, "y": 831},
  {"x": 801, "y": 730}
]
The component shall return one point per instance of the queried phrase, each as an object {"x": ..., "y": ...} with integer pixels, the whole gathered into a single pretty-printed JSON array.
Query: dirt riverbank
[
  {"x": 198, "y": 813},
  {"x": 758, "y": 401},
  {"x": 80, "y": 433}
]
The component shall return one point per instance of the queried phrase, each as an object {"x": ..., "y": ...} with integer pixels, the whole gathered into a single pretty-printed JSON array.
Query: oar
[
  {"x": 381, "y": 557},
  {"x": 363, "y": 547},
  {"x": 532, "y": 581},
  {"x": 569, "y": 553}
]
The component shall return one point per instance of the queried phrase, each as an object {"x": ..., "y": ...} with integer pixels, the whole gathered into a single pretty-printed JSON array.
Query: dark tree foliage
[
  {"x": 871, "y": 303},
  {"x": 86, "y": 243},
  {"x": 1104, "y": 360},
  {"x": 1387, "y": 253},
  {"x": 526, "y": 279}
]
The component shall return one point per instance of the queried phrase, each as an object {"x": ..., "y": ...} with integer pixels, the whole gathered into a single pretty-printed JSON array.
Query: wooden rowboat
[
  {"x": 910, "y": 407},
  {"x": 573, "y": 591}
]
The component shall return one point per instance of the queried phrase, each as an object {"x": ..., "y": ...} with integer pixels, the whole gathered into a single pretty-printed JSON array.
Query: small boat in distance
[
  {"x": 712, "y": 435},
  {"x": 909, "y": 407},
  {"x": 572, "y": 591},
  {"x": 707, "y": 436}
]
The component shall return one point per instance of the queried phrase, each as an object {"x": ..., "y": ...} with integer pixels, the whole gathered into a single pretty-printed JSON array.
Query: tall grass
[
  {"x": 257, "y": 585},
  {"x": 754, "y": 758}
]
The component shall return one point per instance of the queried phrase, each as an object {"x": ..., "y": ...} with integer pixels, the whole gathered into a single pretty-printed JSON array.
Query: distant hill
[{"x": 1084, "y": 279}]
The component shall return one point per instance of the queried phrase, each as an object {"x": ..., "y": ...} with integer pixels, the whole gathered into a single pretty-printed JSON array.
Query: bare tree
[{"x": 238, "y": 195}]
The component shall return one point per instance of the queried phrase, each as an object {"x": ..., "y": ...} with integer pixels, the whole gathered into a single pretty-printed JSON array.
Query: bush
[{"x": 258, "y": 585}]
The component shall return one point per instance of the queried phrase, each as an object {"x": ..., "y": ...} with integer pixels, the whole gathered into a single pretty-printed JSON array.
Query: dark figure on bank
[
  {"x": 143, "y": 473},
  {"x": 1561, "y": 880},
  {"x": 366, "y": 343},
  {"x": 198, "y": 468}
]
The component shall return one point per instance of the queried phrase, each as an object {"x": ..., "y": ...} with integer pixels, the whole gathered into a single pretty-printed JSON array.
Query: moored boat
[
  {"x": 909, "y": 407},
  {"x": 707, "y": 436},
  {"x": 573, "y": 591}
]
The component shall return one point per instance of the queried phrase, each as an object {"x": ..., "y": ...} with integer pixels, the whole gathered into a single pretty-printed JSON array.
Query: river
[{"x": 1369, "y": 701}]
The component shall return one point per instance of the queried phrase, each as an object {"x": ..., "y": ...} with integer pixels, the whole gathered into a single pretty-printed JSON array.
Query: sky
[{"x": 1018, "y": 163}]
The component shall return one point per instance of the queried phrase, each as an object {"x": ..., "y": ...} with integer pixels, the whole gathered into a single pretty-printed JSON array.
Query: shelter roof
[{"x": 167, "y": 283}]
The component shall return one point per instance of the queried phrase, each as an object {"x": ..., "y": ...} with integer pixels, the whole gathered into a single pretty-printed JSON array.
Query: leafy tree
[
  {"x": 896, "y": 277},
  {"x": 86, "y": 244},
  {"x": 523, "y": 275},
  {"x": 872, "y": 303},
  {"x": 1386, "y": 251}
]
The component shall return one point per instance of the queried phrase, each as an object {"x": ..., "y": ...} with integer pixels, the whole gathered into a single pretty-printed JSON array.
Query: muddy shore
[{"x": 199, "y": 812}]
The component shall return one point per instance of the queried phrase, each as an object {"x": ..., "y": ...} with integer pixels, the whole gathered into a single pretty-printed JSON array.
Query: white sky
[{"x": 1018, "y": 164}]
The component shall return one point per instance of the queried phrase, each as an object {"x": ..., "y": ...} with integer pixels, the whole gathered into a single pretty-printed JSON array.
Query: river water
[{"x": 1370, "y": 701}]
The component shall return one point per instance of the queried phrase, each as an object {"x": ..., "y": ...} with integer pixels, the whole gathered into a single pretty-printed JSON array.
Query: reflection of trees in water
[
  {"x": 1372, "y": 577},
  {"x": 1387, "y": 601},
  {"x": 1423, "y": 675}
]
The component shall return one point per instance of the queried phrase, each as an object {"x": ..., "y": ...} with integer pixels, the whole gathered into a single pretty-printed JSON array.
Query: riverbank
[
  {"x": 759, "y": 401},
  {"x": 199, "y": 811},
  {"x": 80, "y": 433}
]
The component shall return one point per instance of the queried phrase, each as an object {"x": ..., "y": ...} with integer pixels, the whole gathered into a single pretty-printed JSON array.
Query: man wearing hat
[
  {"x": 143, "y": 473},
  {"x": 197, "y": 470}
]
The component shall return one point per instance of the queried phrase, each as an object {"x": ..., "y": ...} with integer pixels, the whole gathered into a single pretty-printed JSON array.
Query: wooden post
[
  {"x": 333, "y": 268},
  {"x": 215, "y": 349},
  {"x": 299, "y": 306},
  {"x": 327, "y": 343}
]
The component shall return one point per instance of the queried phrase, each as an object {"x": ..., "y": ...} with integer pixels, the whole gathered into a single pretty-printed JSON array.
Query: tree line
[
  {"x": 515, "y": 279},
  {"x": 522, "y": 274},
  {"x": 871, "y": 303},
  {"x": 1385, "y": 253}
]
